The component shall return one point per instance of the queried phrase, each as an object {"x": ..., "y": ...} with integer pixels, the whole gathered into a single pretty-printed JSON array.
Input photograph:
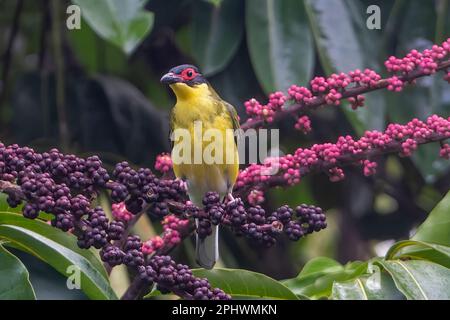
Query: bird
[{"x": 198, "y": 102}]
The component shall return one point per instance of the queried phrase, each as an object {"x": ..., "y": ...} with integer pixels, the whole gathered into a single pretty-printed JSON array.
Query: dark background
[{"x": 115, "y": 106}]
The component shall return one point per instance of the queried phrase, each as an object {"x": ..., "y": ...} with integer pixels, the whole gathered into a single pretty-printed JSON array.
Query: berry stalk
[{"x": 332, "y": 90}]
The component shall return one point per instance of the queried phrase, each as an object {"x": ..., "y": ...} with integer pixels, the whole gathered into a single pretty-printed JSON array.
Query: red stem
[{"x": 300, "y": 108}]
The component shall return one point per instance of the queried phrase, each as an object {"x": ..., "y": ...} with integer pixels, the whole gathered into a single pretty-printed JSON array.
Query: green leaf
[
  {"x": 418, "y": 250},
  {"x": 239, "y": 68},
  {"x": 59, "y": 250},
  {"x": 123, "y": 23},
  {"x": 316, "y": 279},
  {"x": 378, "y": 286},
  {"x": 4, "y": 206},
  {"x": 14, "y": 278},
  {"x": 436, "y": 227},
  {"x": 245, "y": 284},
  {"x": 419, "y": 280},
  {"x": 280, "y": 43},
  {"x": 342, "y": 49},
  {"x": 215, "y": 39},
  {"x": 398, "y": 248},
  {"x": 334, "y": 35},
  {"x": 153, "y": 293},
  {"x": 320, "y": 266},
  {"x": 215, "y": 2}
]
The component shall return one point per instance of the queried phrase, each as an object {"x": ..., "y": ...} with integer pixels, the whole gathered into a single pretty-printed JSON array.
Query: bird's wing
[
  {"x": 230, "y": 110},
  {"x": 171, "y": 123},
  {"x": 234, "y": 119}
]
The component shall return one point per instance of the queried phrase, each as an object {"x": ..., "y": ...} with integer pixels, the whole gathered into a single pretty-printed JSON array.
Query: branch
[
  {"x": 402, "y": 139},
  {"x": 318, "y": 101}
]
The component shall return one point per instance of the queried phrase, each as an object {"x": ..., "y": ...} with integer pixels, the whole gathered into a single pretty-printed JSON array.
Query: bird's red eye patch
[{"x": 188, "y": 74}]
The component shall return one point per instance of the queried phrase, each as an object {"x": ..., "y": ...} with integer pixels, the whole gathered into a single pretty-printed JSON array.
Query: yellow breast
[{"x": 209, "y": 160}]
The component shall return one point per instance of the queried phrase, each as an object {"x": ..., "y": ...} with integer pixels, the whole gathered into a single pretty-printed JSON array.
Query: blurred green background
[{"x": 96, "y": 90}]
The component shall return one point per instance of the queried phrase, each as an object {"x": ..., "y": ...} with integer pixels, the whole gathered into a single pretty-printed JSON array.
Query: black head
[{"x": 185, "y": 73}]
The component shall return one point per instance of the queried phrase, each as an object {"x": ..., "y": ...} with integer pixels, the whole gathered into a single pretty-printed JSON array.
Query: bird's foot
[{"x": 230, "y": 199}]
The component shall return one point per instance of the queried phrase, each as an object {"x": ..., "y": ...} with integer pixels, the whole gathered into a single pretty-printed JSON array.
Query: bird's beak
[{"x": 170, "y": 78}]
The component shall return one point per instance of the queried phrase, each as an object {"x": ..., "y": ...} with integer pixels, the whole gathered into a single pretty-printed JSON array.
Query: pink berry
[
  {"x": 357, "y": 102},
  {"x": 303, "y": 124},
  {"x": 163, "y": 163},
  {"x": 370, "y": 168},
  {"x": 255, "y": 197},
  {"x": 120, "y": 212},
  {"x": 445, "y": 151}
]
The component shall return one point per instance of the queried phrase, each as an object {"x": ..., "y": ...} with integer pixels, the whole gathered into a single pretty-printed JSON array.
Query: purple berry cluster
[
  {"x": 309, "y": 219},
  {"x": 65, "y": 187},
  {"x": 172, "y": 277},
  {"x": 139, "y": 187}
]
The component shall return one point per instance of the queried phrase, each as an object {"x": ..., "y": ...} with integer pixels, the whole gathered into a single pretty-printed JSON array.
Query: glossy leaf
[
  {"x": 245, "y": 284},
  {"x": 344, "y": 43},
  {"x": 419, "y": 280},
  {"x": 280, "y": 43},
  {"x": 215, "y": 39},
  {"x": 436, "y": 227},
  {"x": 378, "y": 286},
  {"x": 225, "y": 81},
  {"x": 14, "y": 278},
  {"x": 317, "y": 277},
  {"x": 398, "y": 248},
  {"x": 59, "y": 250},
  {"x": 123, "y": 23},
  {"x": 320, "y": 266},
  {"x": 411, "y": 249}
]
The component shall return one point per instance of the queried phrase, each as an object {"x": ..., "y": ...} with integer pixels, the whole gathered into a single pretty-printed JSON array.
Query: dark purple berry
[{"x": 112, "y": 255}]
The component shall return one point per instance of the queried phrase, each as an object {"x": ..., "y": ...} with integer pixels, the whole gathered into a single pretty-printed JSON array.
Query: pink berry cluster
[
  {"x": 163, "y": 163},
  {"x": 445, "y": 151},
  {"x": 267, "y": 111},
  {"x": 367, "y": 77},
  {"x": 330, "y": 157},
  {"x": 357, "y": 102},
  {"x": 333, "y": 89},
  {"x": 425, "y": 61},
  {"x": 395, "y": 84},
  {"x": 173, "y": 229},
  {"x": 120, "y": 212},
  {"x": 303, "y": 124},
  {"x": 300, "y": 95},
  {"x": 255, "y": 197},
  {"x": 369, "y": 167}
]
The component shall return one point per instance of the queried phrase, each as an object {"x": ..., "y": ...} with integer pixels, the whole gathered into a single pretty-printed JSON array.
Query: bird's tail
[{"x": 207, "y": 249}]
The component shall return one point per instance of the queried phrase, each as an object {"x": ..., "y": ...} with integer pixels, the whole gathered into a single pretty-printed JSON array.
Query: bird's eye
[{"x": 188, "y": 74}]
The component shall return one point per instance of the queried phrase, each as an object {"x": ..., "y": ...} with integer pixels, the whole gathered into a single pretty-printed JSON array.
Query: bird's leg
[
  {"x": 229, "y": 198},
  {"x": 183, "y": 184}
]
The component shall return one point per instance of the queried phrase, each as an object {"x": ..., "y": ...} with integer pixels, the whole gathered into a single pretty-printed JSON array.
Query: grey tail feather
[{"x": 207, "y": 249}]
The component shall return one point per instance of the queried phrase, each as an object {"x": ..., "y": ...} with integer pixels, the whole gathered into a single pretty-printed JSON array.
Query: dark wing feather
[
  {"x": 171, "y": 123},
  {"x": 235, "y": 120},
  {"x": 231, "y": 112}
]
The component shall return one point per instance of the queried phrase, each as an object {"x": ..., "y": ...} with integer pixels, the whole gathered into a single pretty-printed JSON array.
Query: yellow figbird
[{"x": 197, "y": 110}]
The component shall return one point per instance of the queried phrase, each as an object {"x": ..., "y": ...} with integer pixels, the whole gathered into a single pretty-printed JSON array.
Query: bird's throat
[{"x": 184, "y": 92}]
